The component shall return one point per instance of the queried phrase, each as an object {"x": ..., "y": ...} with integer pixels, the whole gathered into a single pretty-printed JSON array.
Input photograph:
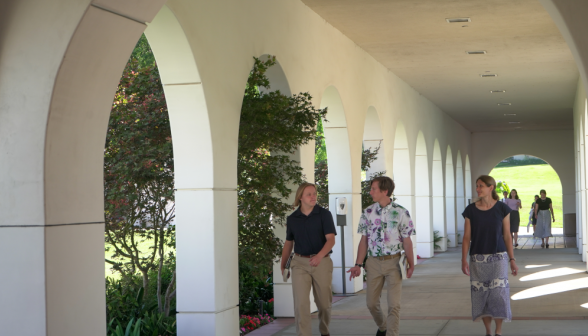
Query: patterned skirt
[
  {"x": 543, "y": 228},
  {"x": 489, "y": 286}
]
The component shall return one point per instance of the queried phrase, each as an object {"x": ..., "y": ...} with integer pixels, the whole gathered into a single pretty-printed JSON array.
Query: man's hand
[
  {"x": 409, "y": 271},
  {"x": 355, "y": 272},
  {"x": 315, "y": 261}
]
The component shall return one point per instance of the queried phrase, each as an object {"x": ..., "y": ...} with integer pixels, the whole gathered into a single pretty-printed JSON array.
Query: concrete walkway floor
[{"x": 548, "y": 297}]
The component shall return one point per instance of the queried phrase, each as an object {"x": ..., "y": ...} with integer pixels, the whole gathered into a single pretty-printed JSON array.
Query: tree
[
  {"x": 139, "y": 177},
  {"x": 272, "y": 127}
]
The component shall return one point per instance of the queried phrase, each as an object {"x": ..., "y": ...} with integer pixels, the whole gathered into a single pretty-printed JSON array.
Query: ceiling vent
[
  {"x": 504, "y": 104},
  {"x": 458, "y": 20},
  {"x": 497, "y": 91},
  {"x": 476, "y": 52},
  {"x": 510, "y": 114},
  {"x": 488, "y": 75},
  {"x": 514, "y": 122}
]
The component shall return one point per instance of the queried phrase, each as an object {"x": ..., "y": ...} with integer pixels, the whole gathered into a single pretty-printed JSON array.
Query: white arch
[
  {"x": 197, "y": 201},
  {"x": 459, "y": 195},
  {"x": 583, "y": 209},
  {"x": 337, "y": 142},
  {"x": 422, "y": 214},
  {"x": 451, "y": 223},
  {"x": 468, "y": 181},
  {"x": 340, "y": 185},
  {"x": 438, "y": 197},
  {"x": 372, "y": 138},
  {"x": 401, "y": 168}
]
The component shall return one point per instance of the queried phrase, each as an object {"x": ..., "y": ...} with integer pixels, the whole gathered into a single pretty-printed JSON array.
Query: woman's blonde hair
[
  {"x": 489, "y": 181},
  {"x": 300, "y": 191}
]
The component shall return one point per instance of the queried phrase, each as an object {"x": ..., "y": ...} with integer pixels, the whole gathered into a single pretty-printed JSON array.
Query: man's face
[
  {"x": 505, "y": 194},
  {"x": 377, "y": 194},
  {"x": 309, "y": 196}
]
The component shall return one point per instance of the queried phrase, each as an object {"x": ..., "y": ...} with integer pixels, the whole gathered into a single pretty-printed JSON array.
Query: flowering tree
[{"x": 139, "y": 177}]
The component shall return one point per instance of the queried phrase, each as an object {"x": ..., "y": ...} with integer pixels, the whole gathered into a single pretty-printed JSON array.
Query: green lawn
[{"x": 528, "y": 180}]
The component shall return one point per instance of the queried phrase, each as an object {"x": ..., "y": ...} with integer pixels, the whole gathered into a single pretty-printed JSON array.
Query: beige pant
[
  {"x": 378, "y": 272},
  {"x": 320, "y": 277}
]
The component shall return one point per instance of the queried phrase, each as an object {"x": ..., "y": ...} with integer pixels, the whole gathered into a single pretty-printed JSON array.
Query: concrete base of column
[
  {"x": 209, "y": 323},
  {"x": 452, "y": 240},
  {"x": 425, "y": 249}
]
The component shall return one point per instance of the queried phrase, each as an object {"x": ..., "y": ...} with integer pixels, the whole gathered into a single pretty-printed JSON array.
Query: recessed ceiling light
[
  {"x": 509, "y": 114},
  {"x": 476, "y": 52},
  {"x": 514, "y": 122},
  {"x": 458, "y": 20},
  {"x": 497, "y": 91},
  {"x": 504, "y": 104},
  {"x": 488, "y": 75}
]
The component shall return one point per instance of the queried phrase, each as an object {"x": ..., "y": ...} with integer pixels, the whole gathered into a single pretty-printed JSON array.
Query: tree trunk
[{"x": 168, "y": 295}]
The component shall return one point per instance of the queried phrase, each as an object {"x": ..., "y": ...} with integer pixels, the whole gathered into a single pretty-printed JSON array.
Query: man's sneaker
[{"x": 381, "y": 333}]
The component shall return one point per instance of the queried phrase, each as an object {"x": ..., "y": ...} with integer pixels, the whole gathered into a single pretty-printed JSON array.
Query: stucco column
[{"x": 207, "y": 267}]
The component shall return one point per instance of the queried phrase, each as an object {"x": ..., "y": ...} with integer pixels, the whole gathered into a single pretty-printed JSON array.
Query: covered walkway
[{"x": 549, "y": 297}]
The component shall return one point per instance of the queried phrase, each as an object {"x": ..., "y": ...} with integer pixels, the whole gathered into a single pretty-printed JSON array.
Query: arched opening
[
  {"x": 528, "y": 175},
  {"x": 372, "y": 139},
  {"x": 422, "y": 214},
  {"x": 459, "y": 196},
  {"x": 451, "y": 224},
  {"x": 438, "y": 198},
  {"x": 340, "y": 185}
]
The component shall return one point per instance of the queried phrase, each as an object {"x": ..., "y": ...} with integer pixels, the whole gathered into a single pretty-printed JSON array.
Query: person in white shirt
[{"x": 503, "y": 200}]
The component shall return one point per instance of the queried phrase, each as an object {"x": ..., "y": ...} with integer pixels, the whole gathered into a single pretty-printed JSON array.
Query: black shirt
[
  {"x": 486, "y": 228},
  {"x": 308, "y": 232},
  {"x": 544, "y": 205}
]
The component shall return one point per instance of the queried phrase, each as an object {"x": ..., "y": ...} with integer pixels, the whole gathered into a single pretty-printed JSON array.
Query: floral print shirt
[{"x": 385, "y": 228}]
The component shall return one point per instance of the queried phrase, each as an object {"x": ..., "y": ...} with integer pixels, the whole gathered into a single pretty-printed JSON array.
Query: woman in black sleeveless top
[
  {"x": 487, "y": 244},
  {"x": 543, "y": 207}
]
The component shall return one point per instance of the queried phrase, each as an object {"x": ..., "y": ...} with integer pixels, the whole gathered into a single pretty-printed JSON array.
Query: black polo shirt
[{"x": 308, "y": 232}]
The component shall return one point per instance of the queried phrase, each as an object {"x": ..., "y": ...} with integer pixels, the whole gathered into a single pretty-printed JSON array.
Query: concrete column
[
  {"x": 439, "y": 220},
  {"x": 424, "y": 236},
  {"x": 207, "y": 267}
]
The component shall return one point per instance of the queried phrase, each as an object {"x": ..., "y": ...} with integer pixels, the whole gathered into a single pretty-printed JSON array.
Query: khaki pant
[
  {"x": 320, "y": 277},
  {"x": 378, "y": 272}
]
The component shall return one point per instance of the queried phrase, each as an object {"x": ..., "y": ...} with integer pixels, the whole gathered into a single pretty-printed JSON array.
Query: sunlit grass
[{"x": 528, "y": 180}]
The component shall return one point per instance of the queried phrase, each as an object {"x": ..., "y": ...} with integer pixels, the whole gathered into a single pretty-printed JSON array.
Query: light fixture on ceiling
[
  {"x": 504, "y": 104},
  {"x": 458, "y": 20},
  {"x": 488, "y": 75},
  {"x": 476, "y": 52},
  {"x": 518, "y": 128},
  {"x": 497, "y": 91},
  {"x": 510, "y": 114},
  {"x": 514, "y": 122}
]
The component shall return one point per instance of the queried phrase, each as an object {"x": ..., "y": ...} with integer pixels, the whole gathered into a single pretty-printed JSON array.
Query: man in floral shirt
[{"x": 386, "y": 230}]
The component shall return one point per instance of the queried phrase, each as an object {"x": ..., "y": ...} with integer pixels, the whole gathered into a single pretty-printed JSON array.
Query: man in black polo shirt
[{"x": 312, "y": 229}]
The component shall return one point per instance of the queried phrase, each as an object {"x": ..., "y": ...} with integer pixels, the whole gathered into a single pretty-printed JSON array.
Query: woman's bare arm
[{"x": 465, "y": 246}]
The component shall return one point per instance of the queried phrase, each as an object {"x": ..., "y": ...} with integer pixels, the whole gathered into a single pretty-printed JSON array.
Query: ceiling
[{"x": 524, "y": 48}]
